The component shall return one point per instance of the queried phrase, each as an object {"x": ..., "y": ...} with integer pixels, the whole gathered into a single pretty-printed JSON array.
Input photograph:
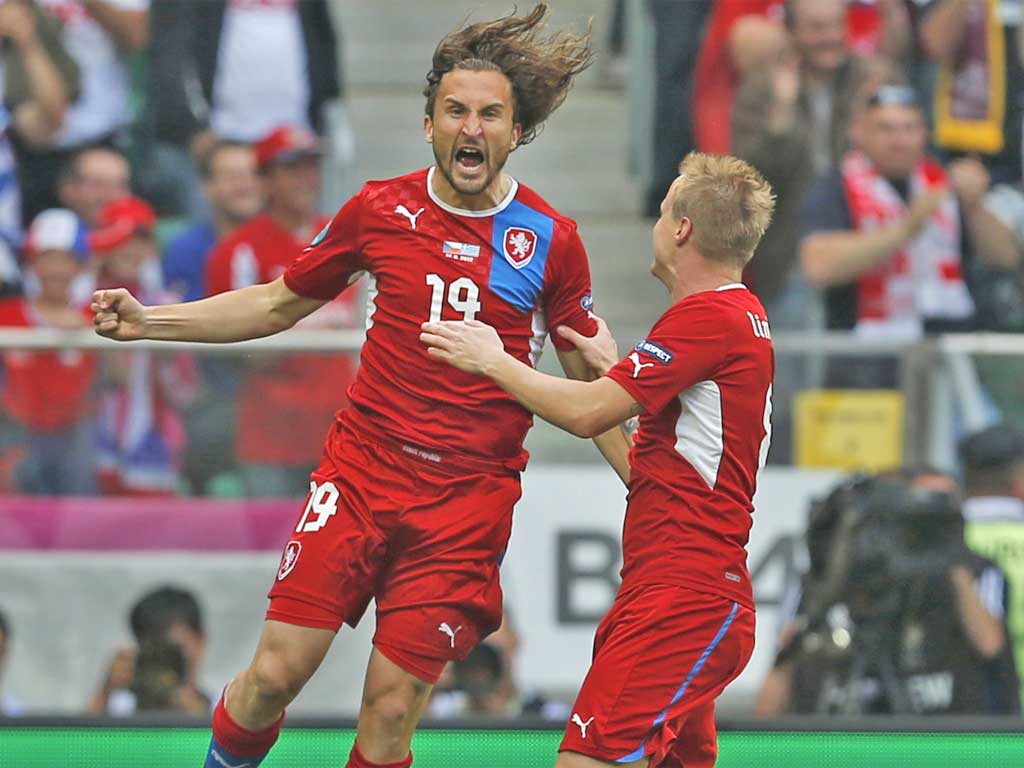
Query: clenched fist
[{"x": 118, "y": 315}]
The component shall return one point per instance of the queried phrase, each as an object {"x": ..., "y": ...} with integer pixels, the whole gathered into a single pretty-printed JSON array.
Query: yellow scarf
[{"x": 967, "y": 118}]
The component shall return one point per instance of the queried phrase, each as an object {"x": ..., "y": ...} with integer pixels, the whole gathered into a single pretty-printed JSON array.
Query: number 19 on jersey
[{"x": 463, "y": 296}]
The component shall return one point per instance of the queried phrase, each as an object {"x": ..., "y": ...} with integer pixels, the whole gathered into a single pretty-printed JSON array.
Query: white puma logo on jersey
[
  {"x": 449, "y": 631},
  {"x": 637, "y": 365},
  {"x": 216, "y": 756},
  {"x": 410, "y": 216},
  {"x": 583, "y": 725}
]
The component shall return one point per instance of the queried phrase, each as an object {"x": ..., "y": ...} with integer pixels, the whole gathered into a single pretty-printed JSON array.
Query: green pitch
[{"x": 302, "y": 748}]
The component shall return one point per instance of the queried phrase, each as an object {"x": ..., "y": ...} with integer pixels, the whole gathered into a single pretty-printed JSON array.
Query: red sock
[
  {"x": 356, "y": 760},
  {"x": 237, "y": 740}
]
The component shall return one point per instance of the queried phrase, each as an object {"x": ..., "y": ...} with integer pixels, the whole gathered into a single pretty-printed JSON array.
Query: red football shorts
[
  {"x": 420, "y": 534},
  {"x": 662, "y": 656}
]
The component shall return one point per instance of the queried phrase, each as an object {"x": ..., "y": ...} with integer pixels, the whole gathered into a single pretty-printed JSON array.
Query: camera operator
[
  {"x": 896, "y": 615},
  {"x": 161, "y": 671}
]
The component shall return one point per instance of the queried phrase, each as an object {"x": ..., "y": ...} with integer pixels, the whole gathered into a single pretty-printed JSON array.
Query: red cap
[
  {"x": 286, "y": 143},
  {"x": 120, "y": 221}
]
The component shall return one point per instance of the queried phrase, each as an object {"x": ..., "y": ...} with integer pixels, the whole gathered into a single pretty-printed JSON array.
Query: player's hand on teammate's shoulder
[
  {"x": 600, "y": 350},
  {"x": 470, "y": 345},
  {"x": 118, "y": 315}
]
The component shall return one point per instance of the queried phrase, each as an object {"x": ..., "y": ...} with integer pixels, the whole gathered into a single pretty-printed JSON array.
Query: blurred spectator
[
  {"x": 92, "y": 179},
  {"x": 485, "y": 683},
  {"x": 39, "y": 81},
  {"x": 745, "y": 36},
  {"x": 993, "y": 462},
  {"x": 475, "y": 687},
  {"x": 89, "y": 181},
  {"x": 677, "y": 41},
  {"x": 233, "y": 189},
  {"x": 99, "y": 35},
  {"x": 792, "y": 120},
  {"x": 873, "y": 633},
  {"x": 887, "y": 237},
  {"x": 235, "y": 69},
  {"x": 170, "y": 615},
  {"x": 741, "y": 36},
  {"x": 1001, "y": 308},
  {"x": 140, "y": 437},
  {"x": 981, "y": 80},
  {"x": 115, "y": 696},
  {"x": 879, "y": 27},
  {"x": 9, "y": 706},
  {"x": 47, "y": 393},
  {"x": 506, "y": 641},
  {"x": 286, "y": 403},
  {"x": 161, "y": 671},
  {"x": 999, "y": 295}
]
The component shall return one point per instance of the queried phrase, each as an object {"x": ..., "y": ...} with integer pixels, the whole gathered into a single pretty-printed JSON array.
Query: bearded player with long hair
[{"x": 412, "y": 503}]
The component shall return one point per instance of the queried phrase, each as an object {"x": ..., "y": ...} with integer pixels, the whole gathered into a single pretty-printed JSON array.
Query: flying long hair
[{"x": 541, "y": 66}]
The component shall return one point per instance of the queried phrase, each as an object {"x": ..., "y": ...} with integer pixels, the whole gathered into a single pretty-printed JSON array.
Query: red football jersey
[
  {"x": 284, "y": 408},
  {"x": 519, "y": 267},
  {"x": 704, "y": 377},
  {"x": 44, "y": 391}
]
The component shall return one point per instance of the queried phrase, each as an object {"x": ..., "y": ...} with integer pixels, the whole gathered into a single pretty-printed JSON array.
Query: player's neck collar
[{"x": 505, "y": 202}]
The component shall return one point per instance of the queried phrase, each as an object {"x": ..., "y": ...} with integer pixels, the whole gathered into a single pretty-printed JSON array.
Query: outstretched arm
[
  {"x": 248, "y": 313},
  {"x": 584, "y": 408}
]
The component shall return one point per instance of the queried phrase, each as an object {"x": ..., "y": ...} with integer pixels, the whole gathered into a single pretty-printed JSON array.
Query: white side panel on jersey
[
  {"x": 699, "y": 429},
  {"x": 539, "y": 327},
  {"x": 371, "y": 299},
  {"x": 766, "y": 443}
]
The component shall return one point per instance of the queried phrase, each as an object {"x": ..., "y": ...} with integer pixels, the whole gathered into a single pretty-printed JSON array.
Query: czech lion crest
[{"x": 519, "y": 244}]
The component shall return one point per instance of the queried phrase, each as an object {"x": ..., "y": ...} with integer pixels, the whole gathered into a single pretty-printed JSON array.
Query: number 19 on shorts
[
  {"x": 322, "y": 505},
  {"x": 463, "y": 296}
]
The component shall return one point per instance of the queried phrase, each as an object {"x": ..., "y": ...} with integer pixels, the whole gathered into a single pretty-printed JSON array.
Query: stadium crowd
[
  {"x": 181, "y": 166},
  {"x": 184, "y": 165},
  {"x": 900, "y": 205}
]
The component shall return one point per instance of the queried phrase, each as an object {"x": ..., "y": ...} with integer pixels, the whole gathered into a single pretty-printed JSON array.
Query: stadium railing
[{"x": 939, "y": 376}]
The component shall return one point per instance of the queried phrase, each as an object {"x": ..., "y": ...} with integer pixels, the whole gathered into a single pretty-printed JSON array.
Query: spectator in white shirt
[{"x": 236, "y": 69}]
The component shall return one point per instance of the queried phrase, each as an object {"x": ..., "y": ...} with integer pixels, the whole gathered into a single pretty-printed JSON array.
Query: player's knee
[
  {"x": 395, "y": 706},
  {"x": 274, "y": 679}
]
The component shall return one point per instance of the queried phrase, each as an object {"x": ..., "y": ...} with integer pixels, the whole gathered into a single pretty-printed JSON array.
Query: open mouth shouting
[{"x": 470, "y": 161}]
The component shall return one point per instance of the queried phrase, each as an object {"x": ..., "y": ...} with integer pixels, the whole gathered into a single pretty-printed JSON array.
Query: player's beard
[{"x": 475, "y": 187}]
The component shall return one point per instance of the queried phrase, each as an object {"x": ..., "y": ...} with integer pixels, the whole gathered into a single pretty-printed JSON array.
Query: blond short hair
[{"x": 727, "y": 201}]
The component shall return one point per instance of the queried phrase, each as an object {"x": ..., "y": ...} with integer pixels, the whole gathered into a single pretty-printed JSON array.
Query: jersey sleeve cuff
[
  {"x": 299, "y": 288},
  {"x": 564, "y": 344},
  {"x": 628, "y": 383}
]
